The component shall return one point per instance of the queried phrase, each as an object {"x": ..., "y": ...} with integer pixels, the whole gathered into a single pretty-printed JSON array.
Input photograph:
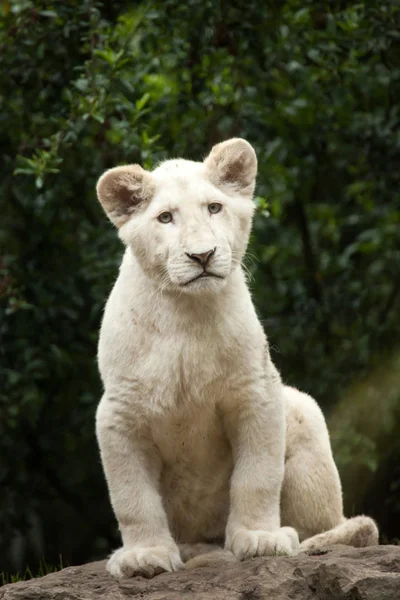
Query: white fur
[{"x": 195, "y": 426}]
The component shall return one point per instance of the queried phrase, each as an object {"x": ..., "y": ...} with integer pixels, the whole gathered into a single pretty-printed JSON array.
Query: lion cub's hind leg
[
  {"x": 311, "y": 500},
  {"x": 359, "y": 531}
]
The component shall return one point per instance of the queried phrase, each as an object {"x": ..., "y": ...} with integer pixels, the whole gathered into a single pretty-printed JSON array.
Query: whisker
[{"x": 248, "y": 274}]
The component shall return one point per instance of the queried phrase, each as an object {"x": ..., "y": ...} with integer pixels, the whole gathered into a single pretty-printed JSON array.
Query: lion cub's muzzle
[{"x": 203, "y": 259}]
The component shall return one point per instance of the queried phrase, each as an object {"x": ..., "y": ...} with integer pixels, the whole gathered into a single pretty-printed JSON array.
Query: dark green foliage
[
  {"x": 87, "y": 85},
  {"x": 42, "y": 570}
]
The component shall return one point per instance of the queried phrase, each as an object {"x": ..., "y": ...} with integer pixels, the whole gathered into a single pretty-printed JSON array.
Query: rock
[{"x": 342, "y": 573}]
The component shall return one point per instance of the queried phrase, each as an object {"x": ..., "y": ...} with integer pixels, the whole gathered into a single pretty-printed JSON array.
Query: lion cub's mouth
[{"x": 204, "y": 274}]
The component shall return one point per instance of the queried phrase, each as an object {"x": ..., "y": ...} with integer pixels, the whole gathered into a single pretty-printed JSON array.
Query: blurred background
[{"x": 86, "y": 85}]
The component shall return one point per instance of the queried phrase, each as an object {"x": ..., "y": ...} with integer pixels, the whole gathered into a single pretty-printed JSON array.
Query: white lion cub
[{"x": 199, "y": 439}]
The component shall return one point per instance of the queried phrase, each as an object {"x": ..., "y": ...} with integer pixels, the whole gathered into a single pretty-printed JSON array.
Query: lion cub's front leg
[
  {"x": 254, "y": 421},
  {"x": 132, "y": 468}
]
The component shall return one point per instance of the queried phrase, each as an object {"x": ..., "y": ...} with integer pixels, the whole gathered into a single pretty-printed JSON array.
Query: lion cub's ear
[
  {"x": 122, "y": 189},
  {"x": 233, "y": 163}
]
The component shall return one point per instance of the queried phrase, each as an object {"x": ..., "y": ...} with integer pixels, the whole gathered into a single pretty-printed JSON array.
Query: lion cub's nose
[{"x": 203, "y": 257}]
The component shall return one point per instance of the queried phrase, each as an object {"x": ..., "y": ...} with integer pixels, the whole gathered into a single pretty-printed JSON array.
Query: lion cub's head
[{"x": 187, "y": 222}]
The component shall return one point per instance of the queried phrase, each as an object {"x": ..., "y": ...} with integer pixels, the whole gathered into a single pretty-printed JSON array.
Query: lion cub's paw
[
  {"x": 145, "y": 561},
  {"x": 247, "y": 543}
]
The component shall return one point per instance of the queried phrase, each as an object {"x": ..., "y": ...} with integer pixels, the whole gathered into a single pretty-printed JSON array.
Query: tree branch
[
  {"x": 390, "y": 301},
  {"x": 310, "y": 259}
]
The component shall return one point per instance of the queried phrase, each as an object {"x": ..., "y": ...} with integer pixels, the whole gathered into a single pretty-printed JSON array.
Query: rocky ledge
[{"x": 342, "y": 573}]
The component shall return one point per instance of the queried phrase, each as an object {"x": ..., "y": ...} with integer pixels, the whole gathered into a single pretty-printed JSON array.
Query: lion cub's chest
[
  {"x": 197, "y": 465},
  {"x": 192, "y": 368}
]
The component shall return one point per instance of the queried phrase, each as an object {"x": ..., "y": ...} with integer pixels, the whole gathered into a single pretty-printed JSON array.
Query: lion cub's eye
[
  {"x": 165, "y": 217},
  {"x": 214, "y": 208}
]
